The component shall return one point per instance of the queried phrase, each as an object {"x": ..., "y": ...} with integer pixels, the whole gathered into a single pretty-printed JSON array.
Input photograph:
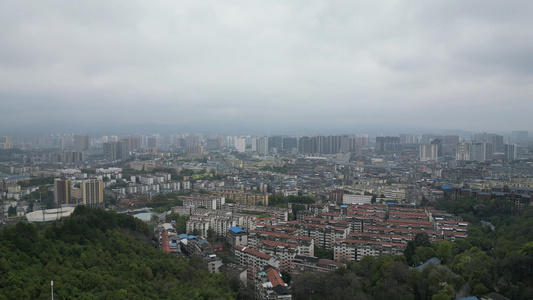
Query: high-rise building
[
  {"x": 482, "y": 137},
  {"x": 290, "y": 143},
  {"x": 345, "y": 144},
  {"x": 497, "y": 143},
  {"x": 213, "y": 143},
  {"x": 116, "y": 150},
  {"x": 333, "y": 144},
  {"x": 72, "y": 156},
  {"x": 462, "y": 152},
  {"x": 361, "y": 139},
  {"x": 429, "y": 152},
  {"x": 195, "y": 150},
  {"x": 82, "y": 142},
  {"x": 153, "y": 144},
  {"x": 426, "y": 138},
  {"x": 262, "y": 145},
  {"x": 481, "y": 151},
  {"x": 319, "y": 144},
  {"x": 387, "y": 144},
  {"x": 305, "y": 145},
  {"x": 275, "y": 142},
  {"x": 240, "y": 144},
  {"x": 92, "y": 192},
  {"x": 450, "y": 140},
  {"x": 134, "y": 143},
  {"x": 408, "y": 139},
  {"x": 62, "y": 191},
  {"x": 438, "y": 143},
  {"x": 510, "y": 152},
  {"x": 192, "y": 140},
  {"x": 4, "y": 142}
]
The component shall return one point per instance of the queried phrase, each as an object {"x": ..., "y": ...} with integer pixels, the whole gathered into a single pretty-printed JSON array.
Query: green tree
[
  {"x": 474, "y": 265},
  {"x": 210, "y": 235},
  {"x": 421, "y": 240},
  {"x": 321, "y": 252},
  {"x": 101, "y": 254},
  {"x": 12, "y": 211},
  {"x": 447, "y": 293},
  {"x": 422, "y": 254},
  {"x": 444, "y": 251}
]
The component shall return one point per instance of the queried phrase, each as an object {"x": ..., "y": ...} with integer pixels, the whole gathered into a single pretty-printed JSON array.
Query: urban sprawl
[{"x": 260, "y": 206}]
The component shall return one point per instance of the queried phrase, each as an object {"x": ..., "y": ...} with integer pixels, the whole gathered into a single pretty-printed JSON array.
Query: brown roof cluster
[{"x": 253, "y": 252}]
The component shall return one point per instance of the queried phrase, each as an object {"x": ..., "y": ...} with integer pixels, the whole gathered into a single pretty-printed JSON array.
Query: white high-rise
[
  {"x": 240, "y": 144},
  {"x": 462, "y": 151}
]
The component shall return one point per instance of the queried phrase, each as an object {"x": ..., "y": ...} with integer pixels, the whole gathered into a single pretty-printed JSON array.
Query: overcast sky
[{"x": 439, "y": 64}]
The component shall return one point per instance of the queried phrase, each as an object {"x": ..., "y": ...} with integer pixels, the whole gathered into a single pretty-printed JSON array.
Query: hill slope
[{"x": 97, "y": 254}]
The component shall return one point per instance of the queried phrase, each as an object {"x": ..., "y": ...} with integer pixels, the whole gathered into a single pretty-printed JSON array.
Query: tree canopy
[{"x": 97, "y": 254}]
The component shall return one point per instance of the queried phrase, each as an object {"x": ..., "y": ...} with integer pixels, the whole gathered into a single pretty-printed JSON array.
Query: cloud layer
[{"x": 448, "y": 64}]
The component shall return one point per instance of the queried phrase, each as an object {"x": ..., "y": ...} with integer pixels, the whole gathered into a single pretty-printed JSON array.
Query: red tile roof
[
  {"x": 253, "y": 252},
  {"x": 274, "y": 277},
  {"x": 276, "y": 243}
]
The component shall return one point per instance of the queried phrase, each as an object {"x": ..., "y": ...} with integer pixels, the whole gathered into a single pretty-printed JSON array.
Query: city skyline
[{"x": 269, "y": 67}]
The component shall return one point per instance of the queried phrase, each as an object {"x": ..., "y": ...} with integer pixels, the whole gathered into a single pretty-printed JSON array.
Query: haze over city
[{"x": 266, "y": 66}]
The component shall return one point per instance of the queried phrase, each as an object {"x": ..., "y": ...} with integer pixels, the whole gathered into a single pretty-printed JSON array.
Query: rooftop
[{"x": 236, "y": 229}]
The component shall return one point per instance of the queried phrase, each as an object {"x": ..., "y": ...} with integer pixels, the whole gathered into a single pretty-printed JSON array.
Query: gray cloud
[{"x": 453, "y": 64}]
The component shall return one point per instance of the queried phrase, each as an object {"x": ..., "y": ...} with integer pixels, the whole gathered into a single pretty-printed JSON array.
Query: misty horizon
[{"x": 266, "y": 68}]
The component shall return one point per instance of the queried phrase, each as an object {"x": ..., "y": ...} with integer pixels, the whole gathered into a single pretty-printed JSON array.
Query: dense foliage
[
  {"x": 42, "y": 195},
  {"x": 95, "y": 254},
  {"x": 274, "y": 200},
  {"x": 37, "y": 182},
  {"x": 181, "y": 221}
]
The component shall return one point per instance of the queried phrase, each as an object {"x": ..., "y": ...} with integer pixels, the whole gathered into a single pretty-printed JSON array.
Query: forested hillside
[{"x": 95, "y": 254}]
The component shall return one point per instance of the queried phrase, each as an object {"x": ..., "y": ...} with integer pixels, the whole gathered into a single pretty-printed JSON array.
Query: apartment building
[
  {"x": 284, "y": 251},
  {"x": 354, "y": 250},
  {"x": 303, "y": 264},
  {"x": 254, "y": 260},
  {"x": 92, "y": 192},
  {"x": 236, "y": 236},
  {"x": 306, "y": 245},
  {"x": 243, "y": 198},
  {"x": 209, "y": 202},
  {"x": 323, "y": 235}
]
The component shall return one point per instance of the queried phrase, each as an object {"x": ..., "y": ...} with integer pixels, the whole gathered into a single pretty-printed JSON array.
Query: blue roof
[
  {"x": 190, "y": 237},
  {"x": 428, "y": 263},
  {"x": 447, "y": 187},
  {"x": 344, "y": 206},
  {"x": 236, "y": 229},
  {"x": 182, "y": 236}
]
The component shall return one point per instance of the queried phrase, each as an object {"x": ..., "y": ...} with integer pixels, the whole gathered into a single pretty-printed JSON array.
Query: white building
[
  {"x": 356, "y": 199},
  {"x": 240, "y": 144}
]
